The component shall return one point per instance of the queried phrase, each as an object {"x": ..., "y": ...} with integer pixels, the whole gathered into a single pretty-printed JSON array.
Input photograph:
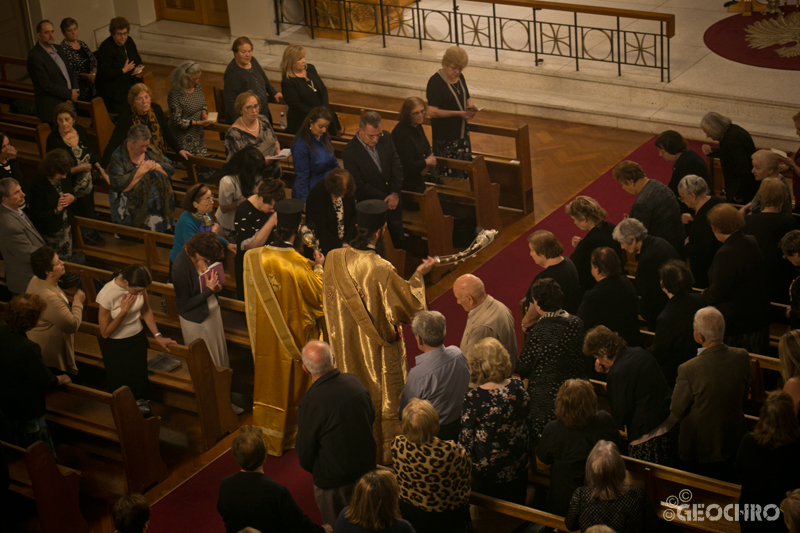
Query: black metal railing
[{"x": 611, "y": 44}]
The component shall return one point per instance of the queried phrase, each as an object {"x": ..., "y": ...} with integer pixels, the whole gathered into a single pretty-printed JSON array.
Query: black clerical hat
[
  {"x": 290, "y": 213},
  {"x": 371, "y": 214}
]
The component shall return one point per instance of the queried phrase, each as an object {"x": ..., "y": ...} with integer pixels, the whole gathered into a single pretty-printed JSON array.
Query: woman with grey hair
[
  {"x": 187, "y": 108},
  {"x": 735, "y": 148},
  {"x": 701, "y": 244},
  {"x": 140, "y": 194},
  {"x": 606, "y": 499},
  {"x": 653, "y": 252}
]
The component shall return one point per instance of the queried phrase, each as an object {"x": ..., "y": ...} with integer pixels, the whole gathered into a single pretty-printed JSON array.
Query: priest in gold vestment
[
  {"x": 365, "y": 302},
  {"x": 283, "y": 300}
]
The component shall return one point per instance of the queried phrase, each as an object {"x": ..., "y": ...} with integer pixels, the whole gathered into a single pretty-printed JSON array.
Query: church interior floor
[{"x": 566, "y": 157}]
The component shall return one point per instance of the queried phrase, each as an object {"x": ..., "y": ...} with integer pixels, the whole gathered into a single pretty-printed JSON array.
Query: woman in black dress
[
  {"x": 253, "y": 224},
  {"x": 672, "y": 147},
  {"x": 118, "y": 62},
  {"x": 450, "y": 108},
  {"x": 243, "y": 74},
  {"x": 303, "y": 90},
  {"x": 552, "y": 353},
  {"x": 546, "y": 253},
  {"x": 701, "y": 245},
  {"x": 736, "y": 146},
  {"x": 413, "y": 147},
  {"x": 790, "y": 246},
  {"x": 71, "y": 136},
  {"x": 587, "y": 214},
  {"x": 49, "y": 202},
  {"x": 80, "y": 58},
  {"x": 331, "y": 210}
]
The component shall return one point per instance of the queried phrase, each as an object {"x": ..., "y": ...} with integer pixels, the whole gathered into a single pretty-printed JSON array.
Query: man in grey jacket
[{"x": 20, "y": 238}]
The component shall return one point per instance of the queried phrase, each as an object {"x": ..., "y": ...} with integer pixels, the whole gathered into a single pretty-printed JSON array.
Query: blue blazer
[{"x": 310, "y": 167}]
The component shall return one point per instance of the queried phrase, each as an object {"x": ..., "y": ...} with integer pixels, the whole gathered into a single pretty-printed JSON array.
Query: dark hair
[
  {"x": 206, "y": 244},
  {"x": 339, "y": 181},
  {"x": 601, "y": 341},
  {"x": 671, "y": 142},
  {"x": 375, "y": 502},
  {"x": 361, "y": 241},
  {"x": 547, "y": 294},
  {"x": 606, "y": 261},
  {"x": 725, "y": 218},
  {"x": 192, "y": 195},
  {"x": 628, "y": 171},
  {"x": 65, "y": 107},
  {"x": 42, "y": 23},
  {"x": 676, "y": 277},
  {"x": 248, "y": 448},
  {"x": 408, "y": 105},
  {"x": 23, "y": 312},
  {"x": 313, "y": 116},
  {"x": 67, "y": 22},
  {"x": 239, "y": 42},
  {"x": 42, "y": 261},
  {"x": 135, "y": 275},
  {"x": 271, "y": 190},
  {"x": 3, "y": 137},
  {"x": 790, "y": 243},
  {"x": 118, "y": 23},
  {"x": 247, "y": 165},
  {"x": 131, "y": 513},
  {"x": 546, "y": 244},
  {"x": 55, "y": 162},
  {"x": 283, "y": 233}
]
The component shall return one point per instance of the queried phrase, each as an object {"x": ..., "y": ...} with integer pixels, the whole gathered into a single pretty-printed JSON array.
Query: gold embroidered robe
[
  {"x": 365, "y": 301},
  {"x": 280, "y": 381}
]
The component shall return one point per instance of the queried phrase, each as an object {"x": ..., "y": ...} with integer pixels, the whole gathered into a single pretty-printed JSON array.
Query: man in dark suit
[
  {"x": 674, "y": 342},
  {"x": 53, "y": 79},
  {"x": 371, "y": 158},
  {"x": 20, "y": 238},
  {"x": 708, "y": 398},
  {"x": 334, "y": 431},
  {"x": 612, "y": 302}
]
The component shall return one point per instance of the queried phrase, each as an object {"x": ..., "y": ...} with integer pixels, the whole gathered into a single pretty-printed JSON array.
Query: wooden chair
[
  {"x": 110, "y": 424},
  {"x": 55, "y": 488}
]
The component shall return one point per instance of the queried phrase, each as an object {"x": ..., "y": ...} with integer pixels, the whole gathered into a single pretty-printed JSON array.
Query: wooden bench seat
[
  {"x": 111, "y": 425},
  {"x": 55, "y": 488},
  {"x": 198, "y": 385}
]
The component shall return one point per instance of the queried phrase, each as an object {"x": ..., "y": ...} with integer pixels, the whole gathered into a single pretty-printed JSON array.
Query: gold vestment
[
  {"x": 365, "y": 302},
  {"x": 282, "y": 297}
]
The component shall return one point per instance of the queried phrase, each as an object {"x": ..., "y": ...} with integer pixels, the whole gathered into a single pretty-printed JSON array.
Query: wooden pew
[
  {"x": 55, "y": 488},
  {"x": 431, "y": 224},
  {"x": 8, "y": 63},
  {"x": 98, "y": 419},
  {"x": 198, "y": 386},
  {"x": 33, "y": 134}
]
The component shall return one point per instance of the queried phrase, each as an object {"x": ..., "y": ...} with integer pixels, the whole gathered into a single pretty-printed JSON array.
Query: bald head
[
  {"x": 469, "y": 292},
  {"x": 317, "y": 358}
]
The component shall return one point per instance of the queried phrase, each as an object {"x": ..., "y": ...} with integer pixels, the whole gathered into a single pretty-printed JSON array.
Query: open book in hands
[
  {"x": 285, "y": 153},
  {"x": 206, "y": 276}
]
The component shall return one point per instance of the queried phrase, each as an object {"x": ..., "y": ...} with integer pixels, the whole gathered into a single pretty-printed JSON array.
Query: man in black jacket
[
  {"x": 334, "y": 431},
  {"x": 372, "y": 160},
  {"x": 53, "y": 79}
]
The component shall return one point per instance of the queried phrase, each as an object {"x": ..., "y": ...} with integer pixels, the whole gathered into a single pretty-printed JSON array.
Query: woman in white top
[
  {"x": 240, "y": 178},
  {"x": 123, "y": 305}
]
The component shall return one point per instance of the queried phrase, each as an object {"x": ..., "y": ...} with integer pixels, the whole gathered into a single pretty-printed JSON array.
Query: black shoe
[{"x": 144, "y": 408}]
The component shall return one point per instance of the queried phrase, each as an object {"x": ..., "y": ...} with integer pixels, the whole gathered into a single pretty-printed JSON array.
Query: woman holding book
[{"x": 198, "y": 305}]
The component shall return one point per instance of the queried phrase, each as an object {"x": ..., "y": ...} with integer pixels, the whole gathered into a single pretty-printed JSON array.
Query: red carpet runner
[{"x": 192, "y": 506}]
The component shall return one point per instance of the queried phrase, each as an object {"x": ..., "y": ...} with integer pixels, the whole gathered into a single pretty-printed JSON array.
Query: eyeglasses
[
  {"x": 210, "y": 199},
  {"x": 373, "y": 137},
  {"x": 253, "y": 107},
  {"x": 121, "y": 34}
]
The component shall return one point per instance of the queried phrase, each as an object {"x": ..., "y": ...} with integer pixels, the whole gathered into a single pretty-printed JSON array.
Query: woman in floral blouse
[
  {"x": 494, "y": 424},
  {"x": 434, "y": 475}
]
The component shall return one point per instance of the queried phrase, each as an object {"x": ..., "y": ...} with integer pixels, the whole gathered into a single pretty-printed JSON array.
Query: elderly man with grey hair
[
  {"x": 371, "y": 158},
  {"x": 708, "y": 398},
  {"x": 334, "y": 431},
  {"x": 140, "y": 194},
  {"x": 653, "y": 252},
  {"x": 735, "y": 148},
  {"x": 440, "y": 374},
  {"x": 488, "y": 318},
  {"x": 20, "y": 237}
]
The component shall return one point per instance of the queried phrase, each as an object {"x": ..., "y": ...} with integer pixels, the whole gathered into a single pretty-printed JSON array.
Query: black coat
[
  {"x": 688, "y": 162},
  {"x": 113, "y": 84},
  {"x": 769, "y": 229},
  {"x": 25, "y": 379},
  {"x": 83, "y": 206},
  {"x": 674, "y": 342},
  {"x": 613, "y": 303},
  {"x": 300, "y": 98},
  {"x": 237, "y": 80},
  {"x": 124, "y": 123},
  {"x": 49, "y": 86},
  {"x": 734, "y": 152},
  {"x": 703, "y": 245},
  {"x": 372, "y": 183},
  {"x": 597, "y": 237},
  {"x": 42, "y": 202},
  {"x": 654, "y": 253},
  {"x": 565, "y": 274},
  {"x": 334, "y": 430},
  {"x": 192, "y": 303},
  {"x": 413, "y": 147},
  {"x": 321, "y": 217},
  {"x": 738, "y": 288}
]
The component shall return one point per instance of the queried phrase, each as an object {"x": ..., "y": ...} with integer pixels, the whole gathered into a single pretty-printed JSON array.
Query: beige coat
[{"x": 55, "y": 331}]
